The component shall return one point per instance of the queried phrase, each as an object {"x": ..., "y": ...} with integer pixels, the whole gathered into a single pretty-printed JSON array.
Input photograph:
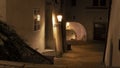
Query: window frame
[
  {"x": 73, "y": 3},
  {"x": 99, "y": 3}
]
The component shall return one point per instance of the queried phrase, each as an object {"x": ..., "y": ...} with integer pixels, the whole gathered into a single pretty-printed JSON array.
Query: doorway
[{"x": 100, "y": 31}]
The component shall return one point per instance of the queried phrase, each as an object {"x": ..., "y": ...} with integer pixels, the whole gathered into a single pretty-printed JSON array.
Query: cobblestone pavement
[{"x": 87, "y": 55}]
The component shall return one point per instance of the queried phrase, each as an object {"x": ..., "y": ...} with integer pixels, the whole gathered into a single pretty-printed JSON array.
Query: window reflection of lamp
[{"x": 38, "y": 17}]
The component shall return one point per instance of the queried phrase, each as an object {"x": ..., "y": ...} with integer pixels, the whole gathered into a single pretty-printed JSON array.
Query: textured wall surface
[{"x": 20, "y": 16}]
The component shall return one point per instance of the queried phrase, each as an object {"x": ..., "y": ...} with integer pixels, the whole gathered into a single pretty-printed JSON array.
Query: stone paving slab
[{"x": 83, "y": 56}]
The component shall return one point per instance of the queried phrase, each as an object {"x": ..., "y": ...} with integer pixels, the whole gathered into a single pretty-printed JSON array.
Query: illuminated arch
[
  {"x": 79, "y": 29},
  {"x": 70, "y": 35}
]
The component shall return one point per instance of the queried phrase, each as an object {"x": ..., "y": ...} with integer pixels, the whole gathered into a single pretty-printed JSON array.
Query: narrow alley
[{"x": 87, "y": 55}]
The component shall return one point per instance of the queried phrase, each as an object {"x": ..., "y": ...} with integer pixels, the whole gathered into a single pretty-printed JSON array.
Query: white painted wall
[
  {"x": 20, "y": 16},
  {"x": 114, "y": 36}
]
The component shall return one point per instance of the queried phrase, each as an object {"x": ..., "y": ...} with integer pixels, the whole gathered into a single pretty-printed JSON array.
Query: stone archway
[
  {"x": 70, "y": 35},
  {"x": 79, "y": 30}
]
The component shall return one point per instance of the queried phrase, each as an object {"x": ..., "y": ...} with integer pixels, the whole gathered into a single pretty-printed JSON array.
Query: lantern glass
[{"x": 59, "y": 17}]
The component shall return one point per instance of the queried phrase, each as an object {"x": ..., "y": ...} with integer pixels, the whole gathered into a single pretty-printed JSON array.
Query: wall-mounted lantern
[{"x": 59, "y": 18}]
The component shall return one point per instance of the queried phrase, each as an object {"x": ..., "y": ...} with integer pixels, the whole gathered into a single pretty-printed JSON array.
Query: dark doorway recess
[{"x": 99, "y": 31}]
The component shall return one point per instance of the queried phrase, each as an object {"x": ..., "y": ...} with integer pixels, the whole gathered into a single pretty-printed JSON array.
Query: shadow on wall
[
  {"x": 13, "y": 48},
  {"x": 75, "y": 31}
]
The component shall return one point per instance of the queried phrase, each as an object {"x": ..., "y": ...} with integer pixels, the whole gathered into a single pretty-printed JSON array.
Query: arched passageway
[
  {"x": 71, "y": 35},
  {"x": 75, "y": 29}
]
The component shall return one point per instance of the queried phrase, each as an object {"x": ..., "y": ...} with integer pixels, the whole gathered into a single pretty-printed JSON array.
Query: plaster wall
[
  {"x": 57, "y": 34},
  {"x": 20, "y": 17},
  {"x": 113, "y": 58},
  {"x": 3, "y": 10}
]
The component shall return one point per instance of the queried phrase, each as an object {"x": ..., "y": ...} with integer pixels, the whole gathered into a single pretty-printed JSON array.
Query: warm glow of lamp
[
  {"x": 59, "y": 17},
  {"x": 68, "y": 24},
  {"x": 38, "y": 17}
]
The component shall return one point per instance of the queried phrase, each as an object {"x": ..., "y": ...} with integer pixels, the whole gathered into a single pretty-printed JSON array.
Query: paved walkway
[{"x": 87, "y": 55}]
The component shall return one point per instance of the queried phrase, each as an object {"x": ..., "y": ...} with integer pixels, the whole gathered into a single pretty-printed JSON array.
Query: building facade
[
  {"x": 92, "y": 14},
  {"x": 34, "y": 22}
]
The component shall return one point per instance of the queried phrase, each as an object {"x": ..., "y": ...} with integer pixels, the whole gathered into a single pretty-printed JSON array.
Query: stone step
[{"x": 12, "y": 64}]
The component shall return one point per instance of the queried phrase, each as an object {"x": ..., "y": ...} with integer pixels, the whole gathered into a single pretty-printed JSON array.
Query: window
[
  {"x": 95, "y": 2},
  {"x": 100, "y": 31},
  {"x": 103, "y": 2},
  {"x": 73, "y": 2},
  {"x": 36, "y": 19},
  {"x": 36, "y": 25},
  {"x": 56, "y": 1},
  {"x": 99, "y": 2}
]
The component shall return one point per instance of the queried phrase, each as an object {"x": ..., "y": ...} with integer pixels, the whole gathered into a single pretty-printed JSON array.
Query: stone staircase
[{"x": 13, "y": 48}]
